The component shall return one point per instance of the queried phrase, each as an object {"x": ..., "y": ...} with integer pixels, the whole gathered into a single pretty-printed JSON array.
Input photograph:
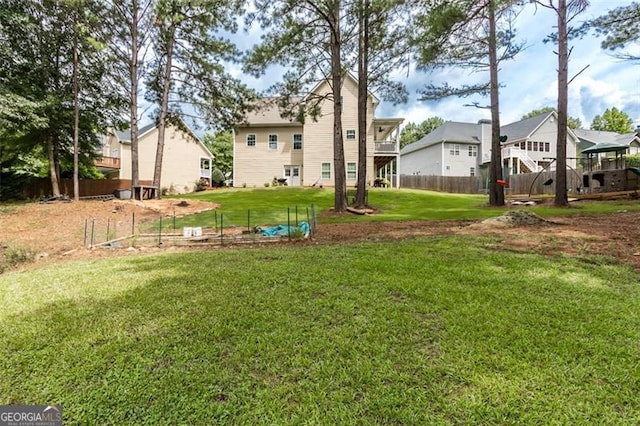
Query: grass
[
  {"x": 424, "y": 331},
  {"x": 268, "y": 206}
]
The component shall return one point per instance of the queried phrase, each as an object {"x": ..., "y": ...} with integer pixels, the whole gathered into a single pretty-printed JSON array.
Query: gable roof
[
  {"x": 599, "y": 136},
  {"x": 267, "y": 112},
  {"x": 124, "y": 137},
  {"x": 450, "y": 131},
  {"x": 524, "y": 128}
]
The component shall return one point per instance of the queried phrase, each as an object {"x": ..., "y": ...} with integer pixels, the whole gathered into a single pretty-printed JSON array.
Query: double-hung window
[
  {"x": 297, "y": 141},
  {"x": 251, "y": 140},
  {"x": 273, "y": 141},
  {"x": 351, "y": 134},
  {"x": 352, "y": 172},
  {"x": 326, "y": 171}
]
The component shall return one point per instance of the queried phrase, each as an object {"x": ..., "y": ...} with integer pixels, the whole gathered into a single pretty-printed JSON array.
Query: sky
[{"x": 530, "y": 79}]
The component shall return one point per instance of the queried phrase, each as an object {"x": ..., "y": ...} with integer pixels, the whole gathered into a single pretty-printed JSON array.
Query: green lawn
[
  {"x": 426, "y": 331},
  {"x": 269, "y": 206}
]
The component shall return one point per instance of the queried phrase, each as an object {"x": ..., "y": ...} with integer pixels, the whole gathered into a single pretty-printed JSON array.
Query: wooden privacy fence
[
  {"x": 88, "y": 187},
  {"x": 454, "y": 184},
  {"x": 535, "y": 182},
  {"x": 518, "y": 184}
]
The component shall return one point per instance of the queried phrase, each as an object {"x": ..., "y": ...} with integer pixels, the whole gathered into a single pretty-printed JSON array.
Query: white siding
[{"x": 426, "y": 161}]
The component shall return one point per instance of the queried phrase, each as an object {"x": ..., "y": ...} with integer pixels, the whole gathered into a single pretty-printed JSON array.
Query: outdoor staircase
[{"x": 521, "y": 155}]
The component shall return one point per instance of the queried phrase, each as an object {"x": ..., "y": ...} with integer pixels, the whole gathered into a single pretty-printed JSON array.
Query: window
[
  {"x": 523, "y": 146},
  {"x": 448, "y": 167},
  {"x": 351, "y": 134},
  {"x": 454, "y": 149},
  {"x": 546, "y": 147},
  {"x": 297, "y": 141},
  {"x": 472, "y": 171},
  {"x": 473, "y": 151},
  {"x": 351, "y": 171},
  {"x": 273, "y": 141},
  {"x": 535, "y": 146},
  {"x": 326, "y": 170},
  {"x": 287, "y": 171},
  {"x": 251, "y": 140},
  {"x": 529, "y": 146}
]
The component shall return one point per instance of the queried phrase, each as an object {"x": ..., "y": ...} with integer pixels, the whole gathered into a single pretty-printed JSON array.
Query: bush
[
  {"x": 217, "y": 178},
  {"x": 633, "y": 160},
  {"x": 12, "y": 256},
  {"x": 202, "y": 184}
]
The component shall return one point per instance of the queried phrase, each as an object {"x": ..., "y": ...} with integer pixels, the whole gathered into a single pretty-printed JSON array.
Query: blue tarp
[{"x": 285, "y": 231}]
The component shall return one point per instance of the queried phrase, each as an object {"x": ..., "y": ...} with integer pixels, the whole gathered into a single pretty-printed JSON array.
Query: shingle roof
[
  {"x": 523, "y": 128},
  {"x": 125, "y": 135},
  {"x": 599, "y": 136},
  {"x": 450, "y": 131}
]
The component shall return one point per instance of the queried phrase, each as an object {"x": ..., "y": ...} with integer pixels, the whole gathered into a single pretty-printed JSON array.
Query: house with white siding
[
  {"x": 185, "y": 160},
  {"x": 268, "y": 147},
  {"x": 464, "y": 149}
]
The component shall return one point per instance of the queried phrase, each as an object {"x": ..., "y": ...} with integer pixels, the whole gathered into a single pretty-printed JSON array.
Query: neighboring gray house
[
  {"x": 453, "y": 149},
  {"x": 589, "y": 138},
  {"x": 461, "y": 149}
]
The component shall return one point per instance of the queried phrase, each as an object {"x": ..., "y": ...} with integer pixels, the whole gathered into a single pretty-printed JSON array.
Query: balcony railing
[
  {"x": 205, "y": 173},
  {"x": 107, "y": 162},
  {"x": 386, "y": 147}
]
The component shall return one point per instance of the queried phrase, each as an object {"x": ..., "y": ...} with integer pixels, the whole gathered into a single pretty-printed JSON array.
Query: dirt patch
[
  {"x": 55, "y": 231},
  {"x": 59, "y": 227}
]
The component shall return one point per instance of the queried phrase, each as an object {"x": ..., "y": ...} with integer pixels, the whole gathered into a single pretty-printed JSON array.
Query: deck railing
[{"x": 107, "y": 162}]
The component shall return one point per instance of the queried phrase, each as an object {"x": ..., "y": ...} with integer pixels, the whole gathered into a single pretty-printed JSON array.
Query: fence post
[
  {"x": 160, "y": 232},
  {"x": 221, "y": 229},
  {"x": 248, "y": 220},
  {"x": 289, "y": 222},
  {"x": 108, "y": 228},
  {"x": 85, "y": 232},
  {"x": 93, "y": 227}
]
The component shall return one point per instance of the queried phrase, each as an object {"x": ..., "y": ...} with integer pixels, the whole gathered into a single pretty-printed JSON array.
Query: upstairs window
[
  {"x": 351, "y": 134},
  {"x": 473, "y": 151},
  {"x": 273, "y": 141},
  {"x": 251, "y": 140},
  {"x": 297, "y": 141},
  {"x": 454, "y": 149}
]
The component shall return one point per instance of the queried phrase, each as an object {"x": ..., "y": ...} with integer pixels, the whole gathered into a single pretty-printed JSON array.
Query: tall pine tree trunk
[
  {"x": 363, "y": 71},
  {"x": 133, "y": 75},
  {"x": 496, "y": 192},
  {"x": 164, "y": 110},
  {"x": 53, "y": 167},
  {"x": 76, "y": 110},
  {"x": 561, "y": 198},
  {"x": 340, "y": 200}
]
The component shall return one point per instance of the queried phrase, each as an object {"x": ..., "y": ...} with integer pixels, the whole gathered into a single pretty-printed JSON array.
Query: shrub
[
  {"x": 217, "y": 178},
  {"x": 633, "y": 160},
  {"x": 12, "y": 256}
]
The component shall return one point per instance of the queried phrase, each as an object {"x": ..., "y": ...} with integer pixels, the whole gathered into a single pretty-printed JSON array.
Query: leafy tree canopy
[
  {"x": 613, "y": 120},
  {"x": 572, "y": 122},
  {"x": 221, "y": 146},
  {"x": 414, "y": 132}
]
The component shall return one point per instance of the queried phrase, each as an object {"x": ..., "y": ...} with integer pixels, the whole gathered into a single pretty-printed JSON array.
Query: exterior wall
[
  {"x": 426, "y": 161},
  {"x": 180, "y": 161},
  {"x": 256, "y": 165},
  {"x": 319, "y": 137},
  {"x": 484, "y": 135},
  {"x": 459, "y": 165},
  {"x": 547, "y": 132}
]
